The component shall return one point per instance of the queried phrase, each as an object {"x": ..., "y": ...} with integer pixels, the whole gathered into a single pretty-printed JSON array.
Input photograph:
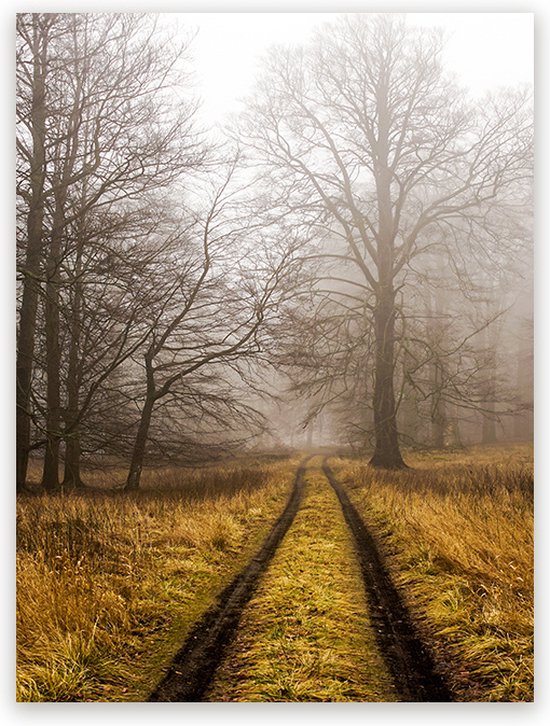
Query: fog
[
  {"x": 254, "y": 233},
  {"x": 484, "y": 51}
]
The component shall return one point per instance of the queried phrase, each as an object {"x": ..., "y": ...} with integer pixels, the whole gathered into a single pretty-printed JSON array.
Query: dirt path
[
  {"x": 406, "y": 657},
  {"x": 194, "y": 665},
  {"x": 407, "y": 660},
  {"x": 306, "y": 634}
]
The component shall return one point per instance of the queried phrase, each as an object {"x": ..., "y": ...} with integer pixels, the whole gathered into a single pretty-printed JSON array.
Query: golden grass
[
  {"x": 305, "y": 635},
  {"x": 458, "y": 534},
  {"x": 108, "y": 585}
]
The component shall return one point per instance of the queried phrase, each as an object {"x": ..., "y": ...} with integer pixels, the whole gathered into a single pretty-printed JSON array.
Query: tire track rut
[
  {"x": 193, "y": 667},
  {"x": 408, "y": 661},
  {"x": 407, "y": 658}
]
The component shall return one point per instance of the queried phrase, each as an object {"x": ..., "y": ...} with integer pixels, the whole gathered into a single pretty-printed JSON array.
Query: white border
[{"x": 191, "y": 714}]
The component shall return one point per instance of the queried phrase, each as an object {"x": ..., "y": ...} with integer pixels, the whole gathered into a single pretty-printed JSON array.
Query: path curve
[
  {"x": 408, "y": 660},
  {"x": 194, "y": 665}
]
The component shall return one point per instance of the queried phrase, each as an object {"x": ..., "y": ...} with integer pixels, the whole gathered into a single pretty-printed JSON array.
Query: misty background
[{"x": 343, "y": 258}]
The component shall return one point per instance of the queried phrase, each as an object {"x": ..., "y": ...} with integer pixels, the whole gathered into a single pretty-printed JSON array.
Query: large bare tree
[{"x": 365, "y": 140}]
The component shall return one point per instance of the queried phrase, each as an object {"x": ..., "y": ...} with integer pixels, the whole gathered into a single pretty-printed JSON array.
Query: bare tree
[
  {"x": 33, "y": 35},
  {"x": 99, "y": 134},
  {"x": 211, "y": 310},
  {"x": 368, "y": 141}
]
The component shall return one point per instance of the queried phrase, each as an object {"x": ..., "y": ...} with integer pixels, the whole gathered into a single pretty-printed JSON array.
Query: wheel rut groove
[
  {"x": 193, "y": 667},
  {"x": 407, "y": 659}
]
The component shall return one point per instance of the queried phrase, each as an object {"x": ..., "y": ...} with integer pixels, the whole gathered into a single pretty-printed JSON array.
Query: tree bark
[
  {"x": 439, "y": 414},
  {"x": 138, "y": 453},
  {"x": 50, "y": 476},
  {"x": 455, "y": 428},
  {"x": 409, "y": 428},
  {"x": 386, "y": 453},
  {"x": 523, "y": 419},
  {"x": 489, "y": 423},
  {"x": 64, "y": 163},
  {"x": 309, "y": 437},
  {"x": 31, "y": 284},
  {"x": 439, "y": 410},
  {"x": 71, "y": 476},
  {"x": 71, "y": 473}
]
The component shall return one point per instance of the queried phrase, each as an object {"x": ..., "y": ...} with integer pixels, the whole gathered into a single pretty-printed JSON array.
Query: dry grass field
[
  {"x": 109, "y": 584},
  {"x": 457, "y": 532}
]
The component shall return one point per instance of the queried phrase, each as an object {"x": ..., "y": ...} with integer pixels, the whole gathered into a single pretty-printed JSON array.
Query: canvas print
[{"x": 274, "y": 357}]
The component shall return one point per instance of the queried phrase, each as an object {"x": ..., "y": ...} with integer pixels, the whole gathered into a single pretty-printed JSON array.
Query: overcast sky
[{"x": 486, "y": 50}]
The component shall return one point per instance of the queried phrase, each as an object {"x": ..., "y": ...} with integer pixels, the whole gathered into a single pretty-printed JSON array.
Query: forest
[{"x": 274, "y": 377}]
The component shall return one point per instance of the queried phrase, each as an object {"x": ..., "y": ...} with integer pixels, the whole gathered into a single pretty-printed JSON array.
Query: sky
[{"x": 485, "y": 50}]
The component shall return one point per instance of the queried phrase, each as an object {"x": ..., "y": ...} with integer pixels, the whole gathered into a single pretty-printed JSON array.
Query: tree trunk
[
  {"x": 523, "y": 419},
  {"x": 138, "y": 454},
  {"x": 489, "y": 422},
  {"x": 31, "y": 285},
  {"x": 439, "y": 414},
  {"x": 456, "y": 440},
  {"x": 25, "y": 357},
  {"x": 409, "y": 419},
  {"x": 489, "y": 418},
  {"x": 439, "y": 430},
  {"x": 64, "y": 164},
  {"x": 71, "y": 477},
  {"x": 488, "y": 429},
  {"x": 71, "y": 473},
  {"x": 309, "y": 439},
  {"x": 386, "y": 453},
  {"x": 50, "y": 476}
]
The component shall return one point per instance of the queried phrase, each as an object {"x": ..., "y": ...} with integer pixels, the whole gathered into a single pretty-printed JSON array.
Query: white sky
[{"x": 486, "y": 50}]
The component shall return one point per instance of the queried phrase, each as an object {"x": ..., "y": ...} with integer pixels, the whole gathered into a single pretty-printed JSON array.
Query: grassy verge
[
  {"x": 305, "y": 636},
  {"x": 108, "y": 586},
  {"x": 458, "y": 534}
]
